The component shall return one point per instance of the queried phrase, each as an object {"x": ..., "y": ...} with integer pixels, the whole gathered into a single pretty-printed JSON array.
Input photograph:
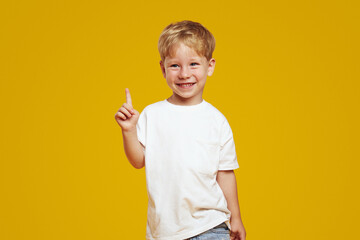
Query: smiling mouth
[{"x": 185, "y": 85}]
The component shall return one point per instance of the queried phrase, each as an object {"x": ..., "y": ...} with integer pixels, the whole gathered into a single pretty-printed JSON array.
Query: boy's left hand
[{"x": 237, "y": 230}]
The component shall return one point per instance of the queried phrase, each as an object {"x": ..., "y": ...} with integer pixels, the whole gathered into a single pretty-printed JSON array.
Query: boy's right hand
[{"x": 127, "y": 116}]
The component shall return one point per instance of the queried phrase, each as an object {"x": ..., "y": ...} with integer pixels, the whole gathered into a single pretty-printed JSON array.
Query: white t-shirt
[{"x": 185, "y": 146}]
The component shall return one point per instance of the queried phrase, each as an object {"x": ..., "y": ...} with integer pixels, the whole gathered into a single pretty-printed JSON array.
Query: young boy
[{"x": 186, "y": 145}]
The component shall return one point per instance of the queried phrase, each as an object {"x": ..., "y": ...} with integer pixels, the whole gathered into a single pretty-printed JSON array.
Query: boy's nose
[{"x": 184, "y": 73}]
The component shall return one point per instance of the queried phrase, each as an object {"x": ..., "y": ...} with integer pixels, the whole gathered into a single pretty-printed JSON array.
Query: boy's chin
[
  {"x": 186, "y": 98},
  {"x": 183, "y": 96}
]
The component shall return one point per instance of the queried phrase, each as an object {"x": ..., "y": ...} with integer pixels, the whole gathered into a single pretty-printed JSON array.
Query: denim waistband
[{"x": 222, "y": 225}]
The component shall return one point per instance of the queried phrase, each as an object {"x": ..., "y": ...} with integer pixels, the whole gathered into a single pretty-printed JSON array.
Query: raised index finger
[{"x": 128, "y": 96}]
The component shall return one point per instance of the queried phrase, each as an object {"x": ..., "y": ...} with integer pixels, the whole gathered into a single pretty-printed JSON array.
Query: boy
[{"x": 186, "y": 145}]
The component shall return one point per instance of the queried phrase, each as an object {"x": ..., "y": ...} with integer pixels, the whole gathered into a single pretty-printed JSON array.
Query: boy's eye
[
  {"x": 194, "y": 64},
  {"x": 174, "y": 65}
]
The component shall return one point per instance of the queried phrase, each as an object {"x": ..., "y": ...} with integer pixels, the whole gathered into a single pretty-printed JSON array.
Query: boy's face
[{"x": 186, "y": 74}]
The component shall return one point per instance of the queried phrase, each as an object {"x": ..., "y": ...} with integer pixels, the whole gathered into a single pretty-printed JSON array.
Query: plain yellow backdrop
[{"x": 287, "y": 79}]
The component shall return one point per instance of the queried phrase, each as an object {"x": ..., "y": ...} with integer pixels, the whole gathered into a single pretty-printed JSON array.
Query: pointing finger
[{"x": 128, "y": 97}]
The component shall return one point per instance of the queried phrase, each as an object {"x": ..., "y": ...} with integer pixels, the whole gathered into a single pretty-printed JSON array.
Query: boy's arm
[
  {"x": 227, "y": 182},
  {"x": 133, "y": 149},
  {"x": 127, "y": 118}
]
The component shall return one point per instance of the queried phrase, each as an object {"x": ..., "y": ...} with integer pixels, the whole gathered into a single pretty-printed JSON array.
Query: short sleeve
[
  {"x": 228, "y": 158},
  {"x": 141, "y": 128}
]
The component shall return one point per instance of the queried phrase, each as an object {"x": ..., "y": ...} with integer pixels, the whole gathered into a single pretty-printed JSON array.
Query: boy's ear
[
  {"x": 211, "y": 67},
  {"x": 162, "y": 68}
]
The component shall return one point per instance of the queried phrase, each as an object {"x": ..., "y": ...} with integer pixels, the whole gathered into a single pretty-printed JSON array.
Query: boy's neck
[{"x": 184, "y": 101}]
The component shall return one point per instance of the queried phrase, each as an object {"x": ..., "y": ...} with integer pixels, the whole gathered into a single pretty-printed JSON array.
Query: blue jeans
[{"x": 220, "y": 232}]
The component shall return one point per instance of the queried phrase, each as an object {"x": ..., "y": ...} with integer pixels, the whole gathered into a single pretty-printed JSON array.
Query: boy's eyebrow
[
  {"x": 195, "y": 58},
  {"x": 170, "y": 60}
]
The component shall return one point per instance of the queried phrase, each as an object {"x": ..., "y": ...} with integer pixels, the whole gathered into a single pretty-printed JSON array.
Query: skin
[
  {"x": 127, "y": 118},
  {"x": 227, "y": 183},
  {"x": 185, "y": 66}
]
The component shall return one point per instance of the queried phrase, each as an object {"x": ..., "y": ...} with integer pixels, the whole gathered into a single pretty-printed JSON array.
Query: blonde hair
[{"x": 192, "y": 34}]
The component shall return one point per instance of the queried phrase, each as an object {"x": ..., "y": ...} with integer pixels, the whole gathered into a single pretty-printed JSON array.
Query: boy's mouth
[{"x": 185, "y": 85}]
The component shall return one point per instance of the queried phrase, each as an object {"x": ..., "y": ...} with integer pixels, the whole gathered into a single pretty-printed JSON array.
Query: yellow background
[{"x": 287, "y": 79}]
